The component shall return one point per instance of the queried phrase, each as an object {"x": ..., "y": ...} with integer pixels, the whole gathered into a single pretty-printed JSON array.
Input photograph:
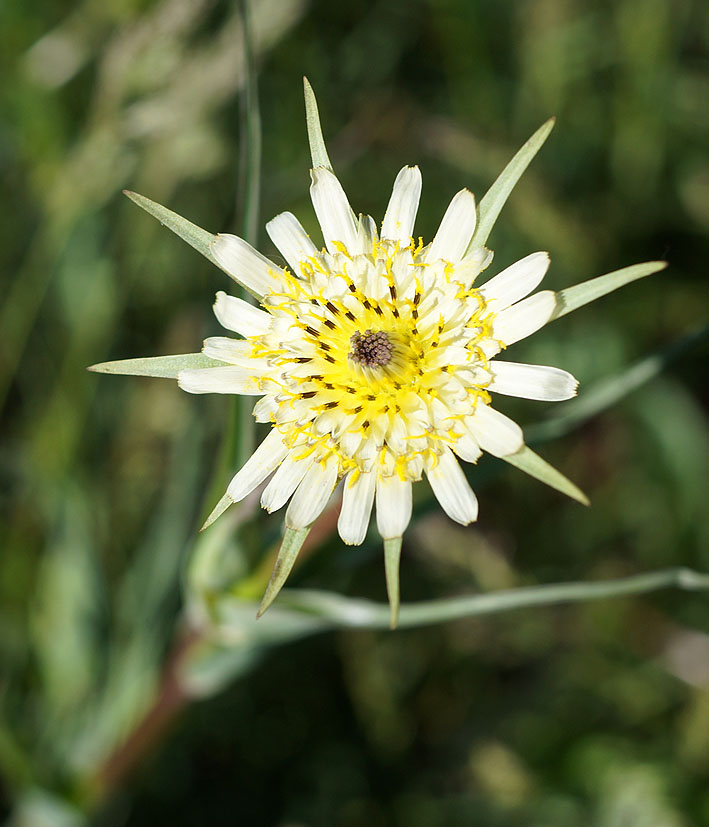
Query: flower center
[{"x": 371, "y": 348}]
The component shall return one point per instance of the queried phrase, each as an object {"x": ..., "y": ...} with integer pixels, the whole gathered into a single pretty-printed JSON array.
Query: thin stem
[
  {"x": 348, "y": 612},
  {"x": 247, "y": 204}
]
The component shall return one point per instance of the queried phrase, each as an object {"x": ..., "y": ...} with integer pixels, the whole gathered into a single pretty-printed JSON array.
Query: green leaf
[
  {"x": 392, "y": 555},
  {"x": 312, "y": 120},
  {"x": 526, "y": 460},
  {"x": 495, "y": 198},
  {"x": 195, "y": 236},
  {"x": 574, "y": 297},
  {"x": 291, "y": 545},
  {"x": 162, "y": 367}
]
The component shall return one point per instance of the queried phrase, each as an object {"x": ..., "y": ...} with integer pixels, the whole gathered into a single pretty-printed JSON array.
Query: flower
[{"x": 375, "y": 358}]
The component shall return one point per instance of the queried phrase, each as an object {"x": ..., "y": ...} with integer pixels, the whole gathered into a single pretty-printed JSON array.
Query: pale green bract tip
[
  {"x": 195, "y": 236},
  {"x": 318, "y": 152},
  {"x": 574, "y": 297},
  {"x": 526, "y": 460},
  {"x": 218, "y": 510},
  {"x": 161, "y": 367},
  {"x": 392, "y": 555},
  {"x": 494, "y": 199},
  {"x": 293, "y": 541}
]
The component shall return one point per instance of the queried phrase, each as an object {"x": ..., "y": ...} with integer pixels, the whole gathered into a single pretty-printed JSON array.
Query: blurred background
[{"x": 590, "y": 714}]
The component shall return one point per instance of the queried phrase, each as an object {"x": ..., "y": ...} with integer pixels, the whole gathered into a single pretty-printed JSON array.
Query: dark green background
[{"x": 594, "y": 714}]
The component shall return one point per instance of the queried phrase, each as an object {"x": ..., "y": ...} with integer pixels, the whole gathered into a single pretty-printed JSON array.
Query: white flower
[{"x": 375, "y": 358}]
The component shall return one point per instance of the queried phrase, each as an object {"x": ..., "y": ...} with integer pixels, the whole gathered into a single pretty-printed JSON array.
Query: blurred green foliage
[{"x": 593, "y": 714}]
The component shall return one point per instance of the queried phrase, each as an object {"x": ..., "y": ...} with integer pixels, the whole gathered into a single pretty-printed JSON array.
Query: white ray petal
[
  {"x": 456, "y": 229},
  {"x": 244, "y": 264},
  {"x": 229, "y": 379},
  {"x": 541, "y": 382},
  {"x": 393, "y": 498},
  {"x": 366, "y": 234},
  {"x": 269, "y": 454},
  {"x": 524, "y": 318},
  {"x": 287, "y": 478},
  {"x": 357, "y": 500},
  {"x": 240, "y": 316},
  {"x": 516, "y": 281},
  {"x": 452, "y": 490},
  {"x": 332, "y": 209},
  {"x": 295, "y": 245},
  {"x": 496, "y": 433},
  {"x": 467, "y": 448},
  {"x": 265, "y": 408},
  {"x": 398, "y": 224},
  {"x": 312, "y": 494},
  {"x": 470, "y": 267},
  {"x": 234, "y": 351}
]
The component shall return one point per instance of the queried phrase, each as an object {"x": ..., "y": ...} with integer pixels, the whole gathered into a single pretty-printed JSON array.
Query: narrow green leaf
[
  {"x": 574, "y": 297},
  {"x": 392, "y": 555},
  {"x": 529, "y": 462},
  {"x": 312, "y": 120},
  {"x": 494, "y": 199},
  {"x": 163, "y": 367},
  {"x": 291, "y": 545}
]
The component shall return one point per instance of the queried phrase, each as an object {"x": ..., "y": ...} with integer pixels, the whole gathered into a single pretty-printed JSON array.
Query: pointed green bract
[
  {"x": 312, "y": 119},
  {"x": 291, "y": 545},
  {"x": 494, "y": 199},
  {"x": 195, "y": 236},
  {"x": 574, "y": 297},
  {"x": 218, "y": 510},
  {"x": 161, "y": 367},
  {"x": 392, "y": 555},
  {"x": 526, "y": 460}
]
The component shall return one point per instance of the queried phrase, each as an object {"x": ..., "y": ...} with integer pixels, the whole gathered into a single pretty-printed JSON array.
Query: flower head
[{"x": 376, "y": 357}]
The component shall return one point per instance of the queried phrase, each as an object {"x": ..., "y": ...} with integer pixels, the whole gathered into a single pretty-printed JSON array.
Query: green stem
[
  {"x": 247, "y": 208},
  {"x": 347, "y": 612}
]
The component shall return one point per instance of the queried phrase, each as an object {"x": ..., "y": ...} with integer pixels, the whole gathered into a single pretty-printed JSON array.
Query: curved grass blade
[
  {"x": 162, "y": 367},
  {"x": 494, "y": 199}
]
